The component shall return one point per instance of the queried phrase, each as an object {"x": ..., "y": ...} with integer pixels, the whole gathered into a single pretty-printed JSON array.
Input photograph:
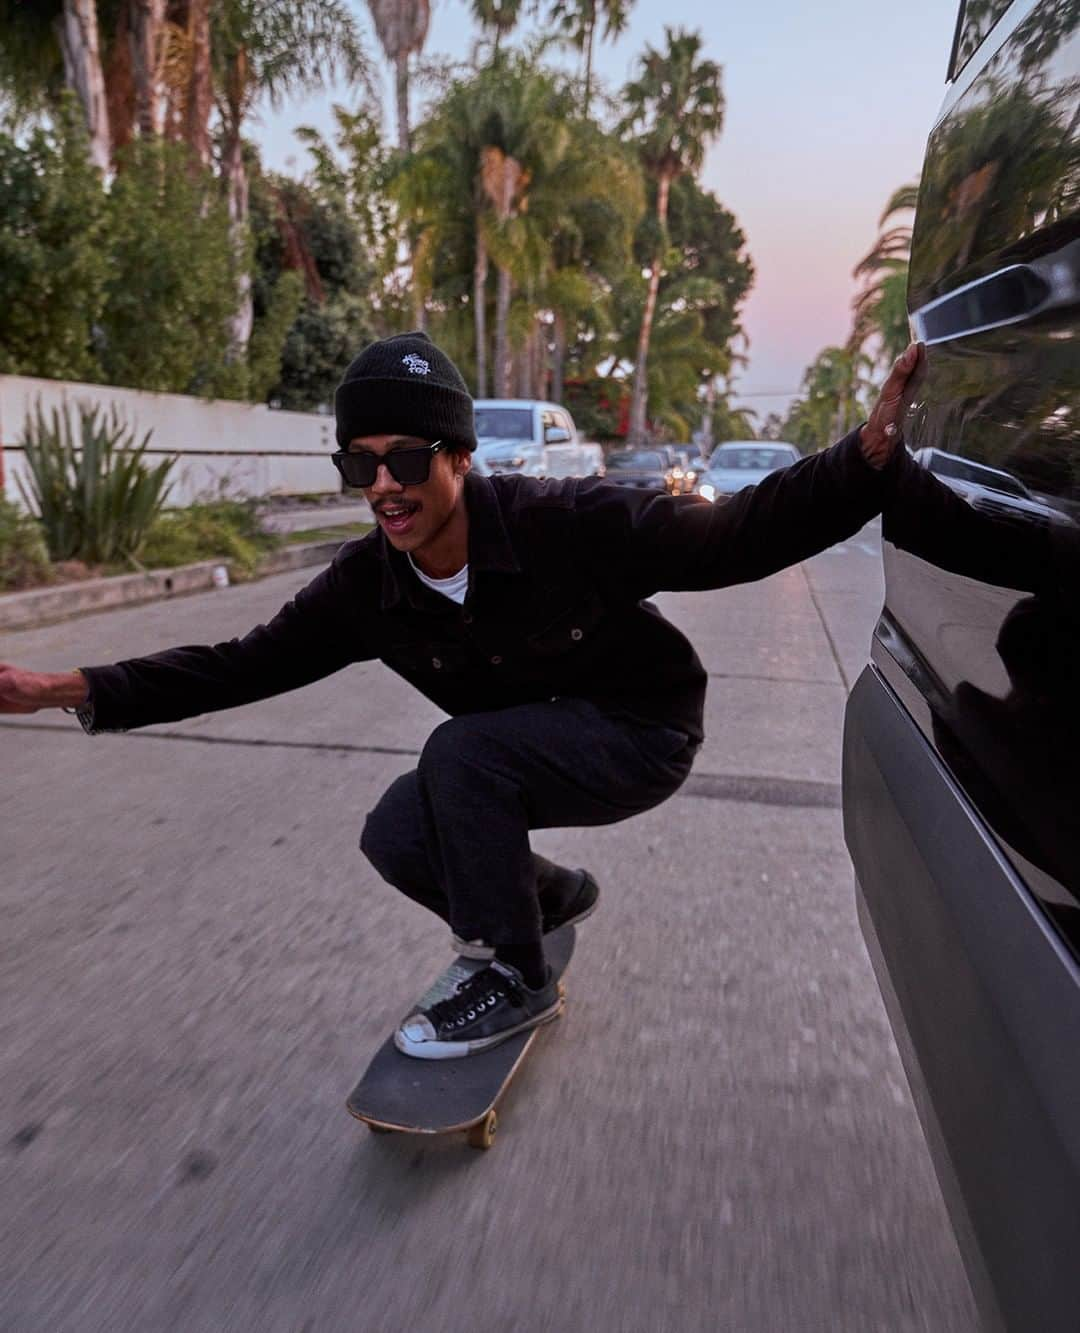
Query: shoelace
[{"x": 474, "y": 997}]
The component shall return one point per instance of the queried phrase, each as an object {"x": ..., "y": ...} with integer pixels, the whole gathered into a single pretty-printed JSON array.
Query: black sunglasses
[{"x": 408, "y": 467}]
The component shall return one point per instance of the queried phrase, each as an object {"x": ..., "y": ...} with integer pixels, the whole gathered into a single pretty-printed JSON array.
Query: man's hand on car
[
  {"x": 881, "y": 434},
  {"x": 27, "y": 691}
]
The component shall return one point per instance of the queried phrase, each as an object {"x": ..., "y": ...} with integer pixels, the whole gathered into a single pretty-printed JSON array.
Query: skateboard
[{"x": 401, "y": 1094}]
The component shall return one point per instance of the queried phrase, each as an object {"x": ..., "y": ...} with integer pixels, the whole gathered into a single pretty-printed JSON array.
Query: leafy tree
[
  {"x": 507, "y": 178},
  {"x": 469, "y": 189},
  {"x": 675, "y": 108},
  {"x": 171, "y": 279},
  {"x": 730, "y": 423},
  {"x": 53, "y": 256},
  {"x": 270, "y": 48},
  {"x": 31, "y": 65},
  {"x": 50, "y": 45},
  {"x": 334, "y": 235},
  {"x": 833, "y": 399},
  {"x": 708, "y": 243},
  {"x": 880, "y": 308},
  {"x": 136, "y": 66},
  {"x": 592, "y": 239},
  {"x": 600, "y": 407},
  {"x": 773, "y": 427},
  {"x": 707, "y": 274}
]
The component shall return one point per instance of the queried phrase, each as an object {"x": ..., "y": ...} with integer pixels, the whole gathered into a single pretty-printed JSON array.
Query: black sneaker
[
  {"x": 573, "y": 906},
  {"x": 490, "y": 1006}
]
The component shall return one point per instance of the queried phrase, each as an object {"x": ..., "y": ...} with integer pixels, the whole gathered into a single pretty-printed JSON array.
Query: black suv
[
  {"x": 962, "y": 737},
  {"x": 647, "y": 469}
]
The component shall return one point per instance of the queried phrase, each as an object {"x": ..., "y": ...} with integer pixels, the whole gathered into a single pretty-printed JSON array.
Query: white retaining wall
[{"x": 247, "y": 450}]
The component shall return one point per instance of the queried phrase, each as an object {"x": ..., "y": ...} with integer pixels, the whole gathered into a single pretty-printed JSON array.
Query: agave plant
[{"x": 95, "y": 493}]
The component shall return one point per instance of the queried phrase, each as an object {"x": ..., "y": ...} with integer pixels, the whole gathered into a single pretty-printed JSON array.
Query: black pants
[{"x": 454, "y": 834}]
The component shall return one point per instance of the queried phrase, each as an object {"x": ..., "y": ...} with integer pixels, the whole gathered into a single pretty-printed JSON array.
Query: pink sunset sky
[{"x": 828, "y": 109}]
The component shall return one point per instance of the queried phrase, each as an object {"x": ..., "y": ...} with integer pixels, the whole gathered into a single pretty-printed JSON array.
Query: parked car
[
  {"x": 991, "y": 490},
  {"x": 960, "y": 785},
  {"x": 738, "y": 463},
  {"x": 575, "y": 460},
  {"x": 648, "y": 469},
  {"x": 517, "y": 434}
]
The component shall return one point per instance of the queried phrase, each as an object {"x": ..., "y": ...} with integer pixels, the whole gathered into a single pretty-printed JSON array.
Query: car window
[
  {"x": 749, "y": 457},
  {"x": 973, "y": 26},
  {"x": 642, "y": 459},
  {"x": 504, "y": 423}
]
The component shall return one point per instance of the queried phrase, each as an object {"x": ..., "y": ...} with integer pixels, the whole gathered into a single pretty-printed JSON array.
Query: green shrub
[
  {"x": 24, "y": 560},
  {"x": 219, "y": 529},
  {"x": 95, "y": 495}
]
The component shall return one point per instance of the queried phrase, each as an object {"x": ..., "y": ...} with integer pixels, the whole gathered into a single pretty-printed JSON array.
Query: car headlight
[{"x": 709, "y": 492}]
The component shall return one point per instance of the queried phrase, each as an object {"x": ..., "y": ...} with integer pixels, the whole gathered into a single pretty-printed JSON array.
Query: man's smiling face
[{"x": 412, "y": 517}]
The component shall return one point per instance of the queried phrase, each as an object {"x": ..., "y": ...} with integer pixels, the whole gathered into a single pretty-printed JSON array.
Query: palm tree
[
  {"x": 271, "y": 48},
  {"x": 577, "y": 21},
  {"x": 50, "y": 45},
  {"x": 676, "y": 107},
  {"x": 152, "y": 55},
  {"x": 589, "y": 204},
  {"x": 505, "y": 178},
  {"x": 401, "y": 27},
  {"x": 880, "y": 308},
  {"x": 498, "y": 17},
  {"x": 80, "y": 45},
  {"x": 31, "y": 66},
  {"x": 439, "y": 189},
  {"x": 832, "y": 400},
  {"x": 186, "y": 76}
]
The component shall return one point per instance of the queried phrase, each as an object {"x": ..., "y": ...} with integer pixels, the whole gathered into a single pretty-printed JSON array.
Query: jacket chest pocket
[{"x": 573, "y": 630}]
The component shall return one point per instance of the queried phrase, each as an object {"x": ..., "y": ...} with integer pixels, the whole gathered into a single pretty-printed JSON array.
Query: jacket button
[
  {"x": 576, "y": 634},
  {"x": 436, "y": 662},
  {"x": 496, "y": 660},
  {"x": 467, "y": 618}
]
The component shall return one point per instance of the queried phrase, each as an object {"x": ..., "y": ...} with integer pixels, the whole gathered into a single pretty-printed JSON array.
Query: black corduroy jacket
[{"x": 559, "y": 579}]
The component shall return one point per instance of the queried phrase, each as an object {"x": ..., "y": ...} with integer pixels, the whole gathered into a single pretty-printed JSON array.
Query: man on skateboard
[{"x": 520, "y": 608}]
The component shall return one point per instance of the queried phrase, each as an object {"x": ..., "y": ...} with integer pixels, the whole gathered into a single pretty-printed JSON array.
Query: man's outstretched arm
[
  {"x": 649, "y": 543},
  {"x": 311, "y": 637}
]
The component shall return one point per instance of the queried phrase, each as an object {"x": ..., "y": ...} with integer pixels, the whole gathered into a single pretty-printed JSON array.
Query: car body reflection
[{"x": 962, "y": 739}]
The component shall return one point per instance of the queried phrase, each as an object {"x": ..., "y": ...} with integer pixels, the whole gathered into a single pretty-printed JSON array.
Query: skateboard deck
[{"x": 399, "y": 1093}]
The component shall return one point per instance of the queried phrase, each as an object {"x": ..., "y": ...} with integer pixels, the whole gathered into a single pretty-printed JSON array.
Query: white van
[{"x": 533, "y": 439}]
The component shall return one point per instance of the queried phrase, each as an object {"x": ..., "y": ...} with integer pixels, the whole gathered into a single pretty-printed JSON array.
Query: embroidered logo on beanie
[{"x": 416, "y": 364}]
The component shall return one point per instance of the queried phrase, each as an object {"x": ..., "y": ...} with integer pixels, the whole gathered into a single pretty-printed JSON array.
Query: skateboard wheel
[{"x": 482, "y": 1134}]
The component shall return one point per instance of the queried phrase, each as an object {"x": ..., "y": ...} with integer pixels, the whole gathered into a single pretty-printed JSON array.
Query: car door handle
[{"x": 1009, "y": 296}]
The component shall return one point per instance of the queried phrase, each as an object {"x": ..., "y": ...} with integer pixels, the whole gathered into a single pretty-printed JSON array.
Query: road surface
[{"x": 197, "y": 962}]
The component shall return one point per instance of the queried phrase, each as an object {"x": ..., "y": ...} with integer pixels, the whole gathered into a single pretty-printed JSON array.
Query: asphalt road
[{"x": 196, "y": 962}]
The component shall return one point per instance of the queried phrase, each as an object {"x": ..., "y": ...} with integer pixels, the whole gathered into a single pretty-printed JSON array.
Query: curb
[{"x": 43, "y": 606}]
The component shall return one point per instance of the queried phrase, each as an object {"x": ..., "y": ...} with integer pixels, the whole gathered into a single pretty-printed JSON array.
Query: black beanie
[{"x": 404, "y": 386}]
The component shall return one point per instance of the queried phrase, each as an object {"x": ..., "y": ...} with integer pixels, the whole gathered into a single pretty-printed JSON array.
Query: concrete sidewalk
[{"x": 197, "y": 963}]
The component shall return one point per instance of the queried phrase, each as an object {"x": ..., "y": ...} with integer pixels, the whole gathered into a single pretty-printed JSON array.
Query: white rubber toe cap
[{"x": 416, "y": 1037}]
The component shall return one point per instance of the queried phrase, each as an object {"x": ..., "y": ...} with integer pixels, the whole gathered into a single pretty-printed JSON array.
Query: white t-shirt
[{"x": 454, "y": 587}]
